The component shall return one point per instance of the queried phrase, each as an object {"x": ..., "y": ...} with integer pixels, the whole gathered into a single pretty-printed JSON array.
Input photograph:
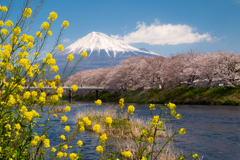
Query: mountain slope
[
  {"x": 98, "y": 42},
  {"x": 103, "y": 51}
]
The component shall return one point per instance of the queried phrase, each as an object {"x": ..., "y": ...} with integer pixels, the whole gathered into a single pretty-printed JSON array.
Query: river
[{"x": 211, "y": 131}]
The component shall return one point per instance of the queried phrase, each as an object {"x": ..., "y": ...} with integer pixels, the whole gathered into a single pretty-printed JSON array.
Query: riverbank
[{"x": 220, "y": 95}]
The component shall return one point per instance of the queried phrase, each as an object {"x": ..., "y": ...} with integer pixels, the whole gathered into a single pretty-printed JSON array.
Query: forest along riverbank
[{"x": 220, "y": 95}]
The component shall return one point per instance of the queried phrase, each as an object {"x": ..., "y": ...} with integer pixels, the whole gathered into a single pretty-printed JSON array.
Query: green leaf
[
  {"x": 20, "y": 46},
  {"x": 42, "y": 125},
  {"x": 7, "y": 113},
  {"x": 148, "y": 155},
  {"x": 154, "y": 143},
  {"x": 136, "y": 138},
  {"x": 38, "y": 117},
  {"x": 139, "y": 141},
  {"x": 164, "y": 130},
  {"x": 160, "y": 149},
  {"x": 23, "y": 126}
]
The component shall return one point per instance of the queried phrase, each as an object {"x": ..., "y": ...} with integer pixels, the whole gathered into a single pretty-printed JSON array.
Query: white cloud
[
  {"x": 157, "y": 34},
  {"x": 66, "y": 40},
  {"x": 236, "y": 1}
]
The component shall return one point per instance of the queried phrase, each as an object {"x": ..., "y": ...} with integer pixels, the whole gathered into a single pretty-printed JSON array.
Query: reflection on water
[{"x": 211, "y": 131}]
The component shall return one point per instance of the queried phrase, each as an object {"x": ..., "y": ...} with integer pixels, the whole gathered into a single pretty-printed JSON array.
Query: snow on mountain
[
  {"x": 98, "y": 42},
  {"x": 103, "y": 51}
]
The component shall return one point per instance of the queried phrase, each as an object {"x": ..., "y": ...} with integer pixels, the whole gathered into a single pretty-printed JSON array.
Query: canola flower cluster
[
  {"x": 121, "y": 103},
  {"x": 18, "y": 116},
  {"x": 131, "y": 109},
  {"x": 108, "y": 121}
]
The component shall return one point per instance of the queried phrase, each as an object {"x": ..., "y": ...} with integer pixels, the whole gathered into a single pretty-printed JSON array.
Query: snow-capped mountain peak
[{"x": 97, "y": 41}]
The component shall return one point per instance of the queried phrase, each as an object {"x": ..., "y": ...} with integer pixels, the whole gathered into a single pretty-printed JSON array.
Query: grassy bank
[
  {"x": 220, "y": 95},
  {"x": 123, "y": 131}
]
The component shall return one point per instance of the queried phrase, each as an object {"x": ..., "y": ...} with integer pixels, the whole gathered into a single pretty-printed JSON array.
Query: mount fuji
[{"x": 103, "y": 51}]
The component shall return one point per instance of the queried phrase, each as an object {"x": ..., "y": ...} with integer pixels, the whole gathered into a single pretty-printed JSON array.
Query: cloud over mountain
[{"x": 164, "y": 34}]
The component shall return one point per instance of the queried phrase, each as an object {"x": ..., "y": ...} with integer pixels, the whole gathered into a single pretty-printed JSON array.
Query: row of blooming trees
[{"x": 181, "y": 69}]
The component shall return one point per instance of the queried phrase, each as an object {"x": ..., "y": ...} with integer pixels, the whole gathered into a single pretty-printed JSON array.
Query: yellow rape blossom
[
  {"x": 8, "y": 23},
  {"x": 36, "y": 54},
  {"x": 24, "y": 48},
  {"x": 60, "y": 47},
  {"x": 65, "y": 147},
  {"x": 99, "y": 149},
  {"x": 26, "y": 95},
  {"x": 68, "y": 109},
  {"x": 40, "y": 85},
  {"x": 103, "y": 138},
  {"x": 30, "y": 38},
  {"x": 67, "y": 128},
  {"x": 79, "y": 143},
  {"x": 8, "y": 126},
  {"x": 54, "y": 98},
  {"x": 63, "y": 119},
  {"x": 57, "y": 77},
  {"x": 45, "y": 26},
  {"x": 126, "y": 154},
  {"x": 152, "y": 107},
  {"x": 16, "y": 30},
  {"x": 195, "y": 156},
  {"x": 171, "y": 106},
  {"x": 96, "y": 128},
  {"x": 65, "y": 154},
  {"x": 59, "y": 154},
  {"x": 108, "y": 121},
  {"x": 53, "y": 149},
  {"x": 74, "y": 88},
  {"x": 84, "y": 54},
  {"x": 81, "y": 126},
  {"x": 70, "y": 58},
  {"x": 178, "y": 116},
  {"x": 49, "y": 32},
  {"x": 23, "y": 109},
  {"x": 98, "y": 102},
  {"x": 182, "y": 131},
  {"x": 27, "y": 12},
  {"x": 4, "y": 9},
  {"x": 17, "y": 126},
  {"x": 173, "y": 112},
  {"x": 150, "y": 139},
  {"x": 73, "y": 156},
  {"x": 121, "y": 102},
  {"x": 4, "y": 31},
  {"x": 30, "y": 45},
  {"x": 54, "y": 69},
  {"x": 38, "y": 34},
  {"x": 46, "y": 143},
  {"x": 144, "y": 133},
  {"x": 131, "y": 109},
  {"x": 52, "y": 16},
  {"x": 1, "y": 23},
  {"x": 63, "y": 137},
  {"x": 86, "y": 121},
  {"x": 65, "y": 24}
]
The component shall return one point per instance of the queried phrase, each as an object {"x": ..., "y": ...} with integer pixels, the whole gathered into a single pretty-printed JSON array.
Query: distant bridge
[
  {"x": 67, "y": 88},
  {"x": 96, "y": 88}
]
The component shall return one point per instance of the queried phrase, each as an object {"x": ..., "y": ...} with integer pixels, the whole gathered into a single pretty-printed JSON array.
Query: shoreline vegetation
[
  {"x": 124, "y": 130},
  {"x": 220, "y": 95}
]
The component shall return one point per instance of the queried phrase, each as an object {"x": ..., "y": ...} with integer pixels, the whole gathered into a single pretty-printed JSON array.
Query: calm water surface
[{"x": 211, "y": 131}]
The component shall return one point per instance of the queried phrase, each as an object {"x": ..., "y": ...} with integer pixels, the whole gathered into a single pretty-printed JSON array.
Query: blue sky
[{"x": 163, "y": 26}]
